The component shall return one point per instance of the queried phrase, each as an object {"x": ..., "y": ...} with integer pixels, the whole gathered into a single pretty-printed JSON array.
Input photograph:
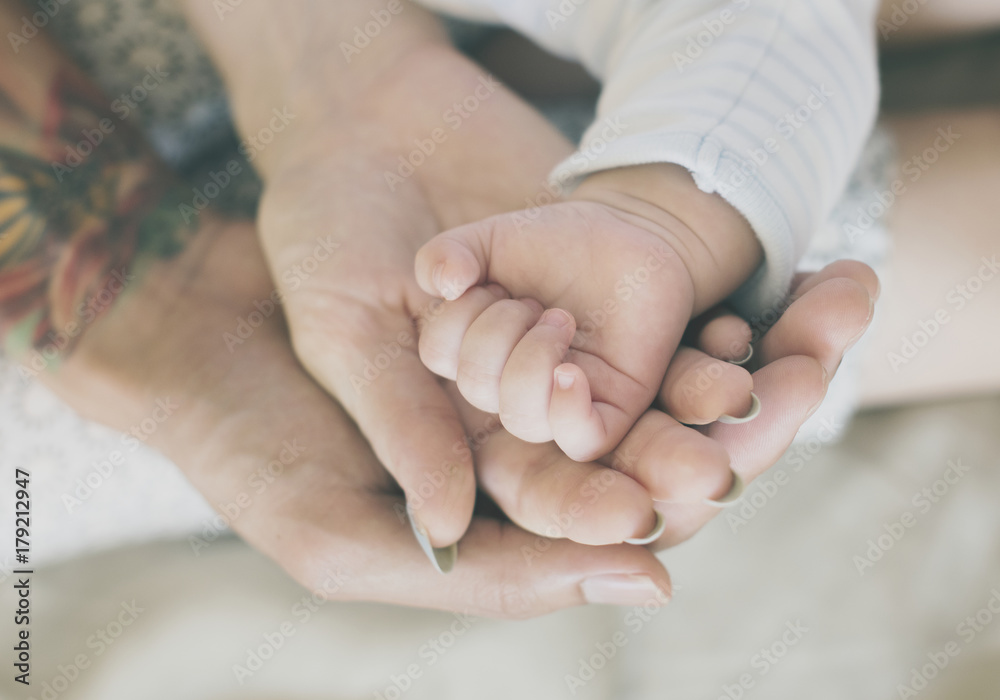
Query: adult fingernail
[
  {"x": 868, "y": 322},
  {"x": 745, "y": 359},
  {"x": 733, "y": 496},
  {"x": 443, "y": 558},
  {"x": 658, "y": 528},
  {"x": 751, "y": 414},
  {"x": 622, "y": 589}
]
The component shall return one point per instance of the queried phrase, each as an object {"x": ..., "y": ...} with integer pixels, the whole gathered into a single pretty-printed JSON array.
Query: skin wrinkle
[{"x": 609, "y": 197}]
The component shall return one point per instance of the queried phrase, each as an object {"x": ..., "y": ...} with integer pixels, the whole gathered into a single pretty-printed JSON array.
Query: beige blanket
[{"x": 869, "y": 570}]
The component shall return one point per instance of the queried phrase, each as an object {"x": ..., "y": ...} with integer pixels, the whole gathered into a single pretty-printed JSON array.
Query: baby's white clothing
[{"x": 769, "y": 102}]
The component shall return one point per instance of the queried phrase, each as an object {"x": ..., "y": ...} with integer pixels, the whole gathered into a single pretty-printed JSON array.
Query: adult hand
[
  {"x": 329, "y": 513},
  {"x": 259, "y": 438},
  {"x": 413, "y": 139}
]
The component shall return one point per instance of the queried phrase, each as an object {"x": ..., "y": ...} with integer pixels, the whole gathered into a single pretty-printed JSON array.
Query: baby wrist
[{"x": 715, "y": 241}]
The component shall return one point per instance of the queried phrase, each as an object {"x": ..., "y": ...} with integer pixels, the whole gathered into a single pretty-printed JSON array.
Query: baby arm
[
  {"x": 767, "y": 114},
  {"x": 631, "y": 256}
]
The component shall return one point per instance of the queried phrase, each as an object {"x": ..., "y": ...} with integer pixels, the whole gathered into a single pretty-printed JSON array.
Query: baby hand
[{"x": 603, "y": 284}]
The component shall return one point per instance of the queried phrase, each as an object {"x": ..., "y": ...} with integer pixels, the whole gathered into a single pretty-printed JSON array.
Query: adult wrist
[{"x": 314, "y": 61}]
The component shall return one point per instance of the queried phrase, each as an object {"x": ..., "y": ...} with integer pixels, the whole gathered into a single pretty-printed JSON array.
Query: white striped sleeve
[{"x": 767, "y": 102}]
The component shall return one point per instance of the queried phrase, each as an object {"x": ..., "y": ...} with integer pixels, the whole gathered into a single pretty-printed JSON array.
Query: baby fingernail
[
  {"x": 446, "y": 288},
  {"x": 564, "y": 380},
  {"x": 622, "y": 589},
  {"x": 451, "y": 291},
  {"x": 437, "y": 275},
  {"x": 557, "y": 318}
]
